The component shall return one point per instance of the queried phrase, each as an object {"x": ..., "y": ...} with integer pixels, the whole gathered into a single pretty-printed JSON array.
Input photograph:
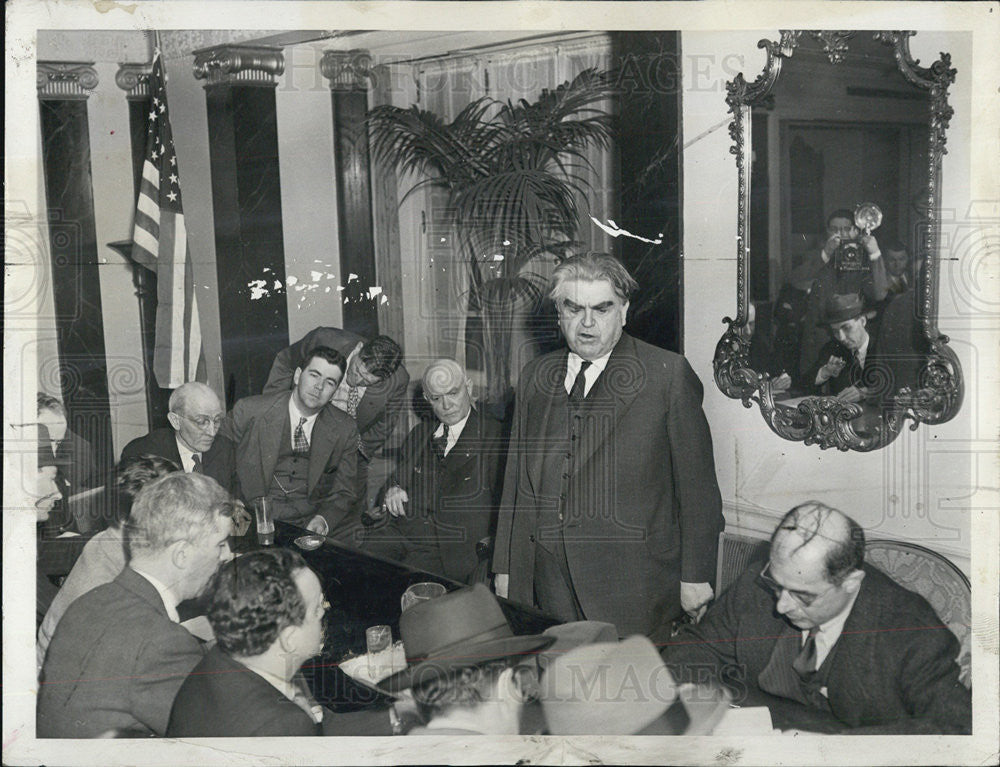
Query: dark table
[{"x": 365, "y": 590}]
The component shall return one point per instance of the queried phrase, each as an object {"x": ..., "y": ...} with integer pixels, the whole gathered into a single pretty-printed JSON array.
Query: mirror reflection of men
[
  {"x": 611, "y": 510},
  {"x": 294, "y": 449},
  {"x": 444, "y": 494},
  {"x": 843, "y": 360},
  {"x": 195, "y": 416},
  {"x": 77, "y": 469},
  {"x": 762, "y": 356},
  {"x": 828, "y": 280},
  {"x": 845, "y": 647}
]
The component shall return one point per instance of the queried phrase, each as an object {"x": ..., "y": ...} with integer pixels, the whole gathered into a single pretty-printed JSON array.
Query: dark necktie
[
  {"x": 805, "y": 662},
  {"x": 440, "y": 443},
  {"x": 197, "y": 468},
  {"x": 576, "y": 394},
  {"x": 299, "y": 442}
]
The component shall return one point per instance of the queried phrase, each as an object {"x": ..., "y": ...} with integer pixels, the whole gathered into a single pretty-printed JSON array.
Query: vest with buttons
[{"x": 289, "y": 483}]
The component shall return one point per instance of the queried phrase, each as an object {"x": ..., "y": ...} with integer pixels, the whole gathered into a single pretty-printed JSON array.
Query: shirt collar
[
  {"x": 828, "y": 633},
  {"x": 862, "y": 353},
  {"x": 455, "y": 430},
  {"x": 295, "y": 415},
  {"x": 169, "y": 600},
  {"x": 598, "y": 365},
  {"x": 185, "y": 453}
]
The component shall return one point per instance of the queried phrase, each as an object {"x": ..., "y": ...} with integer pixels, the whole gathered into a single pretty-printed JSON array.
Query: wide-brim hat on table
[
  {"x": 842, "y": 307},
  {"x": 455, "y": 631}
]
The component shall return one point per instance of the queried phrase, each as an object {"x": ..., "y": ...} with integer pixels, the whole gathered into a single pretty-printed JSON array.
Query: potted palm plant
[{"x": 513, "y": 173}]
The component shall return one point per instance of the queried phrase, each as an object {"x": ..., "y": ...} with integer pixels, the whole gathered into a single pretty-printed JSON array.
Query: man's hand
[
  {"x": 781, "y": 383},
  {"x": 695, "y": 598},
  {"x": 241, "y": 519},
  {"x": 318, "y": 525},
  {"x": 831, "y": 369},
  {"x": 851, "y": 394},
  {"x": 394, "y": 500},
  {"x": 871, "y": 245},
  {"x": 501, "y": 582},
  {"x": 831, "y": 246}
]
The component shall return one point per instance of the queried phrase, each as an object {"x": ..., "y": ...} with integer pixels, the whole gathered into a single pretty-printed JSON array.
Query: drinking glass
[
  {"x": 265, "y": 522},
  {"x": 421, "y": 592},
  {"x": 378, "y": 642}
]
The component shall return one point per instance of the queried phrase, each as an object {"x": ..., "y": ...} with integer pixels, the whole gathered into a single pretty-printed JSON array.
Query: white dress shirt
[
  {"x": 343, "y": 392},
  {"x": 295, "y": 415},
  {"x": 862, "y": 353},
  {"x": 186, "y": 454},
  {"x": 828, "y": 633},
  {"x": 590, "y": 375},
  {"x": 454, "y": 432}
]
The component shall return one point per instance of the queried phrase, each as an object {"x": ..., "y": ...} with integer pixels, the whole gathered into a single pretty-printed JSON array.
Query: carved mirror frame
[{"x": 823, "y": 420}]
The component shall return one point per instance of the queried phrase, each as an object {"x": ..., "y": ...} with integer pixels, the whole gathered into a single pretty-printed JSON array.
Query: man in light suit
[
  {"x": 119, "y": 654},
  {"x": 826, "y": 641},
  {"x": 444, "y": 494},
  {"x": 195, "y": 415},
  {"x": 294, "y": 449},
  {"x": 610, "y": 510}
]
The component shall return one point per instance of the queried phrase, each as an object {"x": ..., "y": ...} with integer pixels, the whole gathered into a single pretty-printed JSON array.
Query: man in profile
[
  {"x": 444, "y": 494},
  {"x": 195, "y": 415},
  {"x": 266, "y": 610},
  {"x": 373, "y": 391},
  {"x": 298, "y": 452},
  {"x": 119, "y": 654},
  {"x": 837, "y": 640},
  {"x": 611, "y": 510}
]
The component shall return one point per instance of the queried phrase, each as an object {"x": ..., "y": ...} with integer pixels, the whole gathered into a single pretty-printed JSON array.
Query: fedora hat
[
  {"x": 841, "y": 307},
  {"x": 464, "y": 628},
  {"x": 624, "y": 688}
]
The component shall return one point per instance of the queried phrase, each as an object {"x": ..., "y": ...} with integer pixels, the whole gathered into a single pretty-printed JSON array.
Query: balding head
[
  {"x": 448, "y": 390},
  {"x": 815, "y": 566},
  {"x": 195, "y": 414}
]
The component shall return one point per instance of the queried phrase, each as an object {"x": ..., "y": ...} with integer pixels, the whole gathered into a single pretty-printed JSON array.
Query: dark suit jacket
[
  {"x": 255, "y": 427},
  {"x": 75, "y": 458},
  {"x": 893, "y": 669},
  {"x": 453, "y": 502},
  {"x": 115, "y": 661},
  {"x": 224, "y": 699},
  {"x": 218, "y": 462},
  {"x": 652, "y": 512},
  {"x": 377, "y": 410}
]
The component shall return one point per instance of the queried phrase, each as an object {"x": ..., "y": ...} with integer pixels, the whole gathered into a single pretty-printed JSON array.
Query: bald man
[
  {"x": 826, "y": 641},
  {"x": 195, "y": 414},
  {"x": 439, "y": 506}
]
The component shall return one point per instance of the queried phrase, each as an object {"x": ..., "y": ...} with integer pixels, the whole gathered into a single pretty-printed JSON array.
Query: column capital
[
  {"x": 65, "y": 80},
  {"x": 347, "y": 70},
  {"x": 239, "y": 65},
  {"x": 134, "y": 80}
]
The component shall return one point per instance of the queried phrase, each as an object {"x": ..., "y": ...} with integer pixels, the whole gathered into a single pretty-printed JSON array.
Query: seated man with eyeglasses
[
  {"x": 195, "y": 417},
  {"x": 833, "y": 643}
]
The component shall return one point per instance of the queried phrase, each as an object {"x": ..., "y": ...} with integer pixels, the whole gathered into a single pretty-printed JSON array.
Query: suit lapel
[
  {"x": 621, "y": 381},
  {"x": 461, "y": 453},
  {"x": 548, "y": 388},
  {"x": 856, "y": 642},
  {"x": 269, "y": 436},
  {"x": 321, "y": 445}
]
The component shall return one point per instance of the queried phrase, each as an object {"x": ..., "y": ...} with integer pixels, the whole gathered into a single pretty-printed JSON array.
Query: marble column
[
  {"x": 246, "y": 197},
  {"x": 348, "y": 73},
  {"x": 649, "y": 141},
  {"x": 81, "y": 371},
  {"x": 134, "y": 80}
]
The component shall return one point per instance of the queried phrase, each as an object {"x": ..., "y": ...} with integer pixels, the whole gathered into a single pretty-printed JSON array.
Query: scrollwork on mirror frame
[{"x": 827, "y": 421}]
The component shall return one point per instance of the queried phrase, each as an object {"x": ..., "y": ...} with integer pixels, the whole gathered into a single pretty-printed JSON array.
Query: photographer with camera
[{"x": 849, "y": 262}]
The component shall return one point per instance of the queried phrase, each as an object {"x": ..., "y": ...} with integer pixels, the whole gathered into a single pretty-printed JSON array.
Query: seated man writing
[
  {"x": 293, "y": 449},
  {"x": 834, "y": 638}
]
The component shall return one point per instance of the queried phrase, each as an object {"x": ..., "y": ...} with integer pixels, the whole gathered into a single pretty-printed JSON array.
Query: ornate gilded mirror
[{"x": 838, "y": 146}]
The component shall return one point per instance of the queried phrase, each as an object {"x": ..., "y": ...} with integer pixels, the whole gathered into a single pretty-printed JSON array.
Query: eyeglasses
[
  {"x": 804, "y": 598},
  {"x": 203, "y": 421}
]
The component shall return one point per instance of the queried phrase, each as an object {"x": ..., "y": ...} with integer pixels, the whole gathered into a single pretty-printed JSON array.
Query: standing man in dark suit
[
  {"x": 77, "y": 470},
  {"x": 294, "y": 449},
  {"x": 445, "y": 492},
  {"x": 195, "y": 415},
  {"x": 119, "y": 654},
  {"x": 373, "y": 391},
  {"x": 843, "y": 646},
  {"x": 611, "y": 510}
]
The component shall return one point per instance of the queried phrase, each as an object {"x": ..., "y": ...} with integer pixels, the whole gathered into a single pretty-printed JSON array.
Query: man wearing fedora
[
  {"x": 848, "y": 366},
  {"x": 462, "y": 656}
]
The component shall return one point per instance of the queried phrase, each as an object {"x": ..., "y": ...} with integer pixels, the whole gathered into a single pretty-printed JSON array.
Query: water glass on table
[
  {"x": 421, "y": 592},
  {"x": 262, "y": 511},
  {"x": 378, "y": 643}
]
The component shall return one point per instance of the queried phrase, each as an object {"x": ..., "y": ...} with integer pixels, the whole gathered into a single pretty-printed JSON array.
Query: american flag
[{"x": 159, "y": 241}]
